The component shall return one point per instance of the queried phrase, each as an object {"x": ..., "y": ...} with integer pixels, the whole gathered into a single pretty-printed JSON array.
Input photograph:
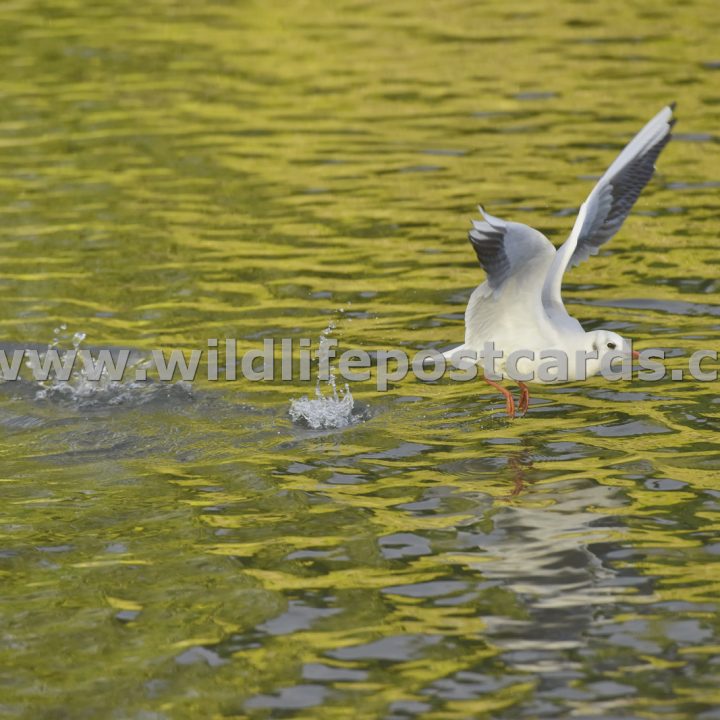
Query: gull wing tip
[{"x": 491, "y": 220}]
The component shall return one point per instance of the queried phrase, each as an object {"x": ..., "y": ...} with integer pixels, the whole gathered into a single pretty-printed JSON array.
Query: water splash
[
  {"x": 325, "y": 411},
  {"x": 334, "y": 410},
  {"x": 81, "y": 390}
]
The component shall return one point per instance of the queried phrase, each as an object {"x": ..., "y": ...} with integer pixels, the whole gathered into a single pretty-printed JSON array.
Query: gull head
[{"x": 609, "y": 347}]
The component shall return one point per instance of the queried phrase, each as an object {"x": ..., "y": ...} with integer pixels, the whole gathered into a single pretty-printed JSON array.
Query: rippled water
[{"x": 178, "y": 171}]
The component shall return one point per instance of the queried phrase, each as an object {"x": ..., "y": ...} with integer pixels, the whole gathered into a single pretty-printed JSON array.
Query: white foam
[
  {"x": 334, "y": 410},
  {"x": 79, "y": 388},
  {"x": 325, "y": 411}
]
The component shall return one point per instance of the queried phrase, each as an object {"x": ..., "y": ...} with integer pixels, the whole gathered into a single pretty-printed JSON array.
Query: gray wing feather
[
  {"x": 504, "y": 248},
  {"x": 516, "y": 259},
  {"x": 489, "y": 245},
  {"x": 615, "y": 194},
  {"x": 609, "y": 203}
]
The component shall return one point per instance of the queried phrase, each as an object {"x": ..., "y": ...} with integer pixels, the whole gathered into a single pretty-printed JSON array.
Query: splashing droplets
[
  {"x": 334, "y": 410},
  {"x": 325, "y": 411}
]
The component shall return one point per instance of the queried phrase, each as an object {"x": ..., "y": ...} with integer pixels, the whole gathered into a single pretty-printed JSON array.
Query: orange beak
[{"x": 635, "y": 355}]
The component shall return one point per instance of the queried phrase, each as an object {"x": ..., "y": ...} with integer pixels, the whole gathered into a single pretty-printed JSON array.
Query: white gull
[{"x": 519, "y": 307}]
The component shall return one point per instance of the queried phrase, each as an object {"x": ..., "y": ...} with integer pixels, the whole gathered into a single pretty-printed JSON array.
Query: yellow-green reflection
[{"x": 173, "y": 172}]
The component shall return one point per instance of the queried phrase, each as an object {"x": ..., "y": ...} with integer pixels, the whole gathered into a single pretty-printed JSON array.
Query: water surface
[{"x": 173, "y": 172}]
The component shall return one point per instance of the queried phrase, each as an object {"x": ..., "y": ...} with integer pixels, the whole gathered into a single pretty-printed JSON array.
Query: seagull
[{"x": 519, "y": 308}]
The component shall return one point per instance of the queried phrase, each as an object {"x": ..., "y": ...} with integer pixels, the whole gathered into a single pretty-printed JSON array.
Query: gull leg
[
  {"x": 509, "y": 402},
  {"x": 524, "y": 398}
]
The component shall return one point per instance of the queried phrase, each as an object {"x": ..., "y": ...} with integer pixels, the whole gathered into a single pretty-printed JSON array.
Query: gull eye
[{"x": 612, "y": 346}]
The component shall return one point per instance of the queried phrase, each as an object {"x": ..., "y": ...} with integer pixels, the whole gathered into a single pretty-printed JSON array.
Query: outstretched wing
[
  {"x": 610, "y": 202},
  {"x": 505, "y": 248},
  {"x": 516, "y": 259}
]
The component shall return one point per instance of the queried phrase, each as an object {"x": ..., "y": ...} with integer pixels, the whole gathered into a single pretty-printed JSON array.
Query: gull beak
[{"x": 635, "y": 355}]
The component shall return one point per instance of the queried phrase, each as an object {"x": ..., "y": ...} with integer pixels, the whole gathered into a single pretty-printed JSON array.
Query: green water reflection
[{"x": 177, "y": 171}]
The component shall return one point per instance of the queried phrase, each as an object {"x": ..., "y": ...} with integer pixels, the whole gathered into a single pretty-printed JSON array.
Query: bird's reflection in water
[
  {"x": 519, "y": 465},
  {"x": 551, "y": 546}
]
